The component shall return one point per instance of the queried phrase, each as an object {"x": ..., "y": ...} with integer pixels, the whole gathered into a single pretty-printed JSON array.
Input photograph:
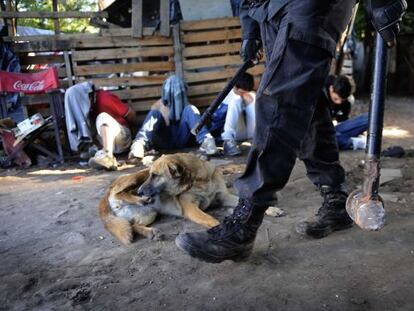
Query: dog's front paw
[
  {"x": 146, "y": 200},
  {"x": 157, "y": 235}
]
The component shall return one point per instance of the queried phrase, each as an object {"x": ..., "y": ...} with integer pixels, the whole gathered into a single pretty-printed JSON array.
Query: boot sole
[
  {"x": 319, "y": 234},
  {"x": 197, "y": 253}
]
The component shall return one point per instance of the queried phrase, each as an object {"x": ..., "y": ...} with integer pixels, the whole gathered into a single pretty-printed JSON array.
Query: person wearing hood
[{"x": 169, "y": 122}]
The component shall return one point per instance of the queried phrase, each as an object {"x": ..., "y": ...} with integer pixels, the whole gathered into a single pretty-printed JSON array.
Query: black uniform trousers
[{"x": 290, "y": 120}]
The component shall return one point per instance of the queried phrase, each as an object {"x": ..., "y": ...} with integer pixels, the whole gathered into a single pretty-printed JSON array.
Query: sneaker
[
  {"x": 137, "y": 150},
  {"x": 89, "y": 153},
  {"x": 331, "y": 216},
  {"x": 102, "y": 160},
  {"x": 233, "y": 239},
  {"x": 230, "y": 148},
  {"x": 359, "y": 143},
  {"x": 209, "y": 146}
]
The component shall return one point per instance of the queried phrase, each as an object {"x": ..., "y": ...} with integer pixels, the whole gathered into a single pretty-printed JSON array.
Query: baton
[
  {"x": 366, "y": 207},
  {"x": 221, "y": 96}
]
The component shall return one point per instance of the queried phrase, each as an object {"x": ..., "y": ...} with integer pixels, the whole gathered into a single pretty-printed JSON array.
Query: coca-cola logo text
[{"x": 32, "y": 87}]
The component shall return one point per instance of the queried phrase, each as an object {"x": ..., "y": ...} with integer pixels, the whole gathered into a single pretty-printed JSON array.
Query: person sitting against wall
[
  {"x": 234, "y": 119},
  {"x": 339, "y": 92},
  {"x": 169, "y": 122},
  {"x": 113, "y": 119},
  {"x": 240, "y": 118}
]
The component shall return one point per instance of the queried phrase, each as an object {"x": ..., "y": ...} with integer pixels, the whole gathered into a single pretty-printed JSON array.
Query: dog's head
[{"x": 167, "y": 175}]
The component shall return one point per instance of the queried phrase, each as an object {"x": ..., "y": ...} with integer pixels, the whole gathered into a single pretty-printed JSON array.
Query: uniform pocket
[{"x": 276, "y": 56}]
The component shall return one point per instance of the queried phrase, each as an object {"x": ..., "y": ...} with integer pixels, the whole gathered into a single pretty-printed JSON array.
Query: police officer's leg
[
  {"x": 285, "y": 104},
  {"x": 319, "y": 150},
  {"x": 320, "y": 154}
]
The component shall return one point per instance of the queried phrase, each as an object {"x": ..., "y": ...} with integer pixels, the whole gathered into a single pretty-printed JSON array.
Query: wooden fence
[
  {"x": 210, "y": 56},
  {"x": 205, "y": 53},
  {"x": 134, "y": 68}
]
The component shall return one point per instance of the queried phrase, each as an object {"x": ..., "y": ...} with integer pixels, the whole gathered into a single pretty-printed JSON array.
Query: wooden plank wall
[
  {"x": 133, "y": 68},
  {"x": 211, "y": 57},
  {"x": 36, "y": 55}
]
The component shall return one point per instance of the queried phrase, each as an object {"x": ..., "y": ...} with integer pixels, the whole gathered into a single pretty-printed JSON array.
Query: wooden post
[
  {"x": 10, "y": 22},
  {"x": 178, "y": 55},
  {"x": 68, "y": 67},
  {"x": 3, "y": 9},
  {"x": 165, "y": 17},
  {"x": 56, "y": 21},
  {"x": 136, "y": 18}
]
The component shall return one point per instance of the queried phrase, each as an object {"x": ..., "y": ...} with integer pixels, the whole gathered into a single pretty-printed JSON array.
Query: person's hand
[
  {"x": 386, "y": 17},
  {"x": 250, "y": 50}
]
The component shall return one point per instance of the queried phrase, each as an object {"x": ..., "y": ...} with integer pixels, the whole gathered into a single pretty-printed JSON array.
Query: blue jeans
[
  {"x": 217, "y": 121},
  {"x": 350, "y": 128},
  {"x": 157, "y": 134}
]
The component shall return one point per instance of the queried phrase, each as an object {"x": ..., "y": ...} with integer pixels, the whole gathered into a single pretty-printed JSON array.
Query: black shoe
[
  {"x": 233, "y": 239},
  {"x": 332, "y": 216}
]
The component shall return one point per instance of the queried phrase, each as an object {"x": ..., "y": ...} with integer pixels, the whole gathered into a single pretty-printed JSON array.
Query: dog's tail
[{"x": 119, "y": 227}]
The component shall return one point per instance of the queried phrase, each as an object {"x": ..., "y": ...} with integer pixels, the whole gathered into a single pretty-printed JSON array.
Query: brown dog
[{"x": 178, "y": 184}]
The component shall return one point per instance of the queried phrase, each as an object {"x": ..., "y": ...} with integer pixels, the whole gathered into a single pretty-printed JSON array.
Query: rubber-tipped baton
[
  {"x": 221, "y": 96},
  {"x": 366, "y": 207}
]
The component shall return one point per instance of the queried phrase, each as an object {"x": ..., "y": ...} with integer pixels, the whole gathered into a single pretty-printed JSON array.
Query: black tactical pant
[{"x": 290, "y": 121}]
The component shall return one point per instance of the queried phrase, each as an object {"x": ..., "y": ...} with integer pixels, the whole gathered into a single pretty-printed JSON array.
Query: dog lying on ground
[{"x": 177, "y": 184}]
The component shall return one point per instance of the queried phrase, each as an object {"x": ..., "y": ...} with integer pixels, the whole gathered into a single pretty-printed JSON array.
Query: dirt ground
[{"x": 56, "y": 255}]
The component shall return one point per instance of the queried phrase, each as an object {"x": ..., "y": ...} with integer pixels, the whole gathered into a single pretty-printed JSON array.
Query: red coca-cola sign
[
  {"x": 29, "y": 83},
  {"x": 31, "y": 87}
]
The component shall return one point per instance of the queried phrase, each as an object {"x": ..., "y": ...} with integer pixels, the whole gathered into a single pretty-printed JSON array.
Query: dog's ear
[{"x": 175, "y": 170}]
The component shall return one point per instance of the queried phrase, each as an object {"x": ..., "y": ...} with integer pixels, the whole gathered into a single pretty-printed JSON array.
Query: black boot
[
  {"x": 232, "y": 239},
  {"x": 332, "y": 216}
]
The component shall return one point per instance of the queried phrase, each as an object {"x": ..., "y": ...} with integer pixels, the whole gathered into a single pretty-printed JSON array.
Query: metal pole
[
  {"x": 366, "y": 207},
  {"x": 376, "y": 110}
]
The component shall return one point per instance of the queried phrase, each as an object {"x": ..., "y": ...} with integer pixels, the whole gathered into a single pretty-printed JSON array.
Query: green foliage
[
  {"x": 360, "y": 25},
  {"x": 407, "y": 25},
  {"x": 66, "y": 25}
]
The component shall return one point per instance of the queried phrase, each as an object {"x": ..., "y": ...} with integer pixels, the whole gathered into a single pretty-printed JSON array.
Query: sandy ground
[{"x": 56, "y": 255}]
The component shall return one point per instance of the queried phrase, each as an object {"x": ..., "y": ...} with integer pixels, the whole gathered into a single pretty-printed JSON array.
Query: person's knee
[
  {"x": 153, "y": 123},
  {"x": 103, "y": 119},
  {"x": 154, "y": 119},
  {"x": 156, "y": 114},
  {"x": 190, "y": 109},
  {"x": 106, "y": 121}
]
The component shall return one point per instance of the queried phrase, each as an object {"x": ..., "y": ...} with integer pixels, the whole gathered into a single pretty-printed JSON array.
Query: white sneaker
[
  {"x": 359, "y": 143},
  {"x": 103, "y": 160},
  {"x": 137, "y": 150},
  {"x": 209, "y": 145}
]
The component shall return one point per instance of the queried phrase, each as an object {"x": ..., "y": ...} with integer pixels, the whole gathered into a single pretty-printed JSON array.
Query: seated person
[
  {"x": 339, "y": 92},
  {"x": 111, "y": 116},
  {"x": 169, "y": 122},
  {"x": 240, "y": 119}
]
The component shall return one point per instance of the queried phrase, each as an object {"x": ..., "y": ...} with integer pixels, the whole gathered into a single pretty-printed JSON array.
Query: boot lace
[
  {"x": 331, "y": 202},
  {"x": 240, "y": 214}
]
